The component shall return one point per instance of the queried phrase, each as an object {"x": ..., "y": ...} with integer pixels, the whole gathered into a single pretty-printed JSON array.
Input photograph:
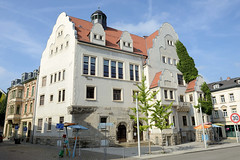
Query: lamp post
[
  {"x": 203, "y": 130},
  {"x": 138, "y": 134}
]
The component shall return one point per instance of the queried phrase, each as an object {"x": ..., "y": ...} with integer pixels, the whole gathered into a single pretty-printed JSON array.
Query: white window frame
[
  {"x": 89, "y": 65},
  {"x": 231, "y": 97},
  {"x": 222, "y": 98}
]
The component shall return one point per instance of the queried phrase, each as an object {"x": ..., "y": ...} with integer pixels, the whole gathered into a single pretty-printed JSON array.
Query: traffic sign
[
  {"x": 235, "y": 118},
  {"x": 59, "y": 125}
]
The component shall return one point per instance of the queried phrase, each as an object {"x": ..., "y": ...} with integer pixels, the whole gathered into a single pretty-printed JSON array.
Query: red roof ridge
[
  {"x": 155, "y": 80},
  {"x": 191, "y": 86}
]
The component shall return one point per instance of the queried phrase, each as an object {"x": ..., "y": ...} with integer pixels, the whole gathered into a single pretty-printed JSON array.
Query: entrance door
[
  {"x": 121, "y": 134},
  {"x": 135, "y": 136}
]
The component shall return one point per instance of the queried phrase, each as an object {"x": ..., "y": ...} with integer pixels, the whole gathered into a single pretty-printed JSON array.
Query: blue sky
[{"x": 210, "y": 30}]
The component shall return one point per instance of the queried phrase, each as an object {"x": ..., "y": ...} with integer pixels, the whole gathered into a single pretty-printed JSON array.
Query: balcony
[
  {"x": 184, "y": 107},
  {"x": 15, "y": 118},
  {"x": 81, "y": 109}
]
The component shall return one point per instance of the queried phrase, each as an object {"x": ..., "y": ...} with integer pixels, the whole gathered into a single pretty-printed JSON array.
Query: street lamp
[{"x": 203, "y": 130}]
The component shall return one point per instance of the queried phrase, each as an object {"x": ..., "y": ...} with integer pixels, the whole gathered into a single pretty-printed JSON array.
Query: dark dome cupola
[{"x": 99, "y": 17}]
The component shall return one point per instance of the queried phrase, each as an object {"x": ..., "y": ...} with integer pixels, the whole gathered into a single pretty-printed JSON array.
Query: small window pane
[
  {"x": 85, "y": 64},
  {"x": 113, "y": 69},
  {"x": 120, "y": 70}
]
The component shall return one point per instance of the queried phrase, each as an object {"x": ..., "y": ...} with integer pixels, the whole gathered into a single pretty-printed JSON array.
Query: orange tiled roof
[
  {"x": 83, "y": 29},
  {"x": 155, "y": 80},
  {"x": 191, "y": 86},
  {"x": 149, "y": 39}
]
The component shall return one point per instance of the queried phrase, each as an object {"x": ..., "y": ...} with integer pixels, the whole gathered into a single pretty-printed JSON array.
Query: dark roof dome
[{"x": 99, "y": 17}]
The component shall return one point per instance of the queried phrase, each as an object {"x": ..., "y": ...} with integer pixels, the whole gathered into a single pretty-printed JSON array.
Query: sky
[{"x": 209, "y": 29}]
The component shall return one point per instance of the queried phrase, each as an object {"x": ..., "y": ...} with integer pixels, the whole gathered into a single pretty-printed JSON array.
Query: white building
[
  {"x": 89, "y": 72},
  {"x": 226, "y": 100}
]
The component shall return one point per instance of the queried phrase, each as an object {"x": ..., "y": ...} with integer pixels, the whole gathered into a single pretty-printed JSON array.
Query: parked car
[{"x": 1, "y": 137}]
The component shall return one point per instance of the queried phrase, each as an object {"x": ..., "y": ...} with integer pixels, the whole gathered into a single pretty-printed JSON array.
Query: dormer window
[
  {"x": 95, "y": 36},
  {"x": 215, "y": 86},
  {"x": 101, "y": 37}
]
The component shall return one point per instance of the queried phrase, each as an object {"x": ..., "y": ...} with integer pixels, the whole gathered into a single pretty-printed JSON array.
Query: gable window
[
  {"x": 180, "y": 79},
  {"x": 51, "y": 98},
  {"x": 216, "y": 115},
  {"x": 106, "y": 68},
  {"x": 117, "y": 94},
  {"x": 63, "y": 74},
  {"x": 174, "y": 62},
  {"x": 231, "y": 97},
  {"x": 59, "y": 76},
  {"x": 165, "y": 94},
  {"x": 44, "y": 79},
  {"x": 41, "y": 100},
  {"x": 184, "y": 118},
  {"x": 55, "y": 77},
  {"x": 90, "y": 94},
  {"x": 169, "y": 61},
  {"x": 113, "y": 69},
  {"x": 89, "y": 67},
  {"x": 222, "y": 99},
  {"x": 164, "y": 59},
  {"x": 51, "y": 79},
  {"x": 39, "y": 126},
  {"x": 225, "y": 113}
]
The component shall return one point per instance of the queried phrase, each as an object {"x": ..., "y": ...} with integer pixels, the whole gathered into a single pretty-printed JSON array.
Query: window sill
[
  {"x": 88, "y": 99},
  {"x": 119, "y": 101}
]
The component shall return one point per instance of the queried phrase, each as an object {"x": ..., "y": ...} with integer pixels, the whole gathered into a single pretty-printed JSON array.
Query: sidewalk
[{"x": 156, "y": 151}]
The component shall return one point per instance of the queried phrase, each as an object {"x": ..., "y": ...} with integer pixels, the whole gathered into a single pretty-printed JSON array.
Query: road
[{"x": 220, "y": 154}]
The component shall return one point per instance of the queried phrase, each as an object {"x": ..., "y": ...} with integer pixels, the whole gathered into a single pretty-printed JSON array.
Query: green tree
[
  {"x": 205, "y": 101},
  {"x": 145, "y": 97},
  {"x": 186, "y": 63},
  {"x": 3, "y": 105},
  {"x": 160, "y": 116}
]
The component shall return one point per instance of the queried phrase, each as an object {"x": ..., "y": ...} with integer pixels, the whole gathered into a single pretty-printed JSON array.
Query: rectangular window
[
  {"x": 120, "y": 70},
  {"x": 234, "y": 110},
  {"x": 131, "y": 72},
  {"x": 171, "y": 94},
  {"x": 63, "y": 95},
  {"x": 49, "y": 124},
  {"x": 136, "y": 73},
  {"x": 113, "y": 69},
  {"x": 31, "y": 107},
  {"x": 117, "y": 94},
  {"x": 44, "y": 79},
  {"x": 180, "y": 79},
  {"x": 103, "y": 119},
  {"x": 55, "y": 77},
  {"x": 174, "y": 62},
  {"x": 190, "y": 97},
  {"x": 85, "y": 64},
  {"x": 174, "y": 121},
  {"x": 39, "y": 126},
  {"x": 51, "y": 80},
  {"x": 25, "y": 109},
  {"x": 93, "y": 66},
  {"x": 163, "y": 59},
  {"x": 184, "y": 118},
  {"x": 59, "y": 96},
  {"x": 216, "y": 115},
  {"x": 90, "y": 92},
  {"x": 181, "y": 98},
  {"x": 41, "y": 100},
  {"x": 169, "y": 61},
  {"x": 51, "y": 98},
  {"x": 165, "y": 94},
  {"x": 63, "y": 75},
  {"x": 231, "y": 97},
  {"x": 193, "y": 121},
  {"x": 225, "y": 113},
  {"x": 59, "y": 76},
  {"x": 214, "y": 101},
  {"x": 27, "y": 93},
  {"x": 33, "y": 87},
  {"x": 18, "y": 110},
  {"x": 106, "y": 68},
  {"x": 222, "y": 99}
]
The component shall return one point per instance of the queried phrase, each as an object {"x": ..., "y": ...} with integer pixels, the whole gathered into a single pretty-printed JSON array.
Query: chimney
[{"x": 228, "y": 78}]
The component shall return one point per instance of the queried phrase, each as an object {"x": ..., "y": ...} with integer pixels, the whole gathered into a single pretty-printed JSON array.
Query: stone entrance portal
[{"x": 121, "y": 133}]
